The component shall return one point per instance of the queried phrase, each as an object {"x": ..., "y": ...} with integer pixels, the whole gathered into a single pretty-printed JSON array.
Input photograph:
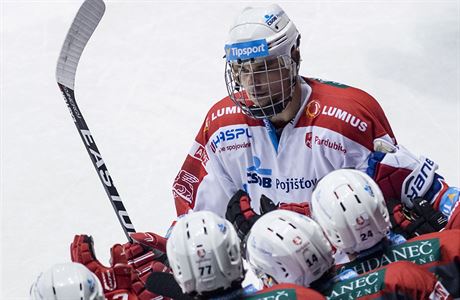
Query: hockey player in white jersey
[{"x": 277, "y": 133}]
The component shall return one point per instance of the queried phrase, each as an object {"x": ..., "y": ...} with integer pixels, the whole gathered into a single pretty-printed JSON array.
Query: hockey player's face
[{"x": 267, "y": 81}]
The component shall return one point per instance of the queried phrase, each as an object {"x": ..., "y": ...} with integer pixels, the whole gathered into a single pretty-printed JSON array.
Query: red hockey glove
[
  {"x": 266, "y": 205},
  {"x": 116, "y": 279},
  {"x": 139, "y": 260},
  {"x": 240, "y": 213},
  {"x": 301, "y": 208},
  {"x": 144, "y": 257}
]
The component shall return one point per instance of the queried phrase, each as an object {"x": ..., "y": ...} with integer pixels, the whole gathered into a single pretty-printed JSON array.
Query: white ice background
[{"x": 144, "y": 84}]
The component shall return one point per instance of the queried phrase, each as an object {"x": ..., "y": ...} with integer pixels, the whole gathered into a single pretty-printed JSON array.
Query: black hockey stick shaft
[
  {"x": 101, "y": 168},
  {"x": 98, "y": 162}
]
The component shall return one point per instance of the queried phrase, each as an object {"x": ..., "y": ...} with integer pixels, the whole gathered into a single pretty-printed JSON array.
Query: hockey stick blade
[
  {"x": 83, "y": 26},
  {"x": 164, "y": 284}
]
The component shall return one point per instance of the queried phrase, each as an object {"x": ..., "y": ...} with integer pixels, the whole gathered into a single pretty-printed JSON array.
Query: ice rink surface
[{"x": 144, "y": 84}]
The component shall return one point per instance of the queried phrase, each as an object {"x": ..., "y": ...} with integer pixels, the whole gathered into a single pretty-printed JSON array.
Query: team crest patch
[
  {"x": 308, "y": 138},
  {"x": 201, "y": 252},
  {"x": 297, "y": 240}
]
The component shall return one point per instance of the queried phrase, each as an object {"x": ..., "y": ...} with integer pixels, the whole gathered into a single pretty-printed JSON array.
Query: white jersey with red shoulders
[{"x": 334, "y": 128}]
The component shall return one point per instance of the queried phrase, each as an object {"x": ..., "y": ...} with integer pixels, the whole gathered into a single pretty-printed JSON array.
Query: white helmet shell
[
  {"x": 204, "y": 253},
  {"x": 259, "y": 45},
  {"x": 288, "y": 247},
  {"x": 351, "y": 209},
  {"x": 268, "y": 23},
  {"x": 67, "y": 281}
]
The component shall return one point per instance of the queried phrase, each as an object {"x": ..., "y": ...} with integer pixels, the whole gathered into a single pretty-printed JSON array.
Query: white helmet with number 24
[{"x": 351, "y": 209}]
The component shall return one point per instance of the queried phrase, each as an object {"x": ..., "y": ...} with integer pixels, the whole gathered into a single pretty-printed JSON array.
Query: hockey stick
[{"x": 83, "y": 26}]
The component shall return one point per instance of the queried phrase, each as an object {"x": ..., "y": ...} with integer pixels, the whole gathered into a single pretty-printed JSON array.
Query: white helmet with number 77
[
  {"x": 351, "y": 209},
  {"x": 287, "y": 247},
  {"x": 65, "y": 282},
  {"x": 204, "y": 254}
]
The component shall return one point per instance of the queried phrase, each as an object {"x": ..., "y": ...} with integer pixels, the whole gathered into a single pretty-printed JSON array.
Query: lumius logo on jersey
[
  {"x": 229, "y": 110},
  {"x": 221, "y": 112},
  {"x": 314, "y": 109}
]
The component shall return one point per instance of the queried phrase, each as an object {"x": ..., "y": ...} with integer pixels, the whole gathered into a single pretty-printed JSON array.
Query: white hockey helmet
[
  {"x": 67, "y": 281},
  {"x": 351, "y": 209},
  {"x": 260, "y": 73},
  {"x": 204, "y": 253},
  {"x": 288, "y": 247}
]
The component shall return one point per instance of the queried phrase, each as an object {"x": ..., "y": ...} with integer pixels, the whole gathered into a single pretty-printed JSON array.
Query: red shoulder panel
[{"x": 347, "y": 110}]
